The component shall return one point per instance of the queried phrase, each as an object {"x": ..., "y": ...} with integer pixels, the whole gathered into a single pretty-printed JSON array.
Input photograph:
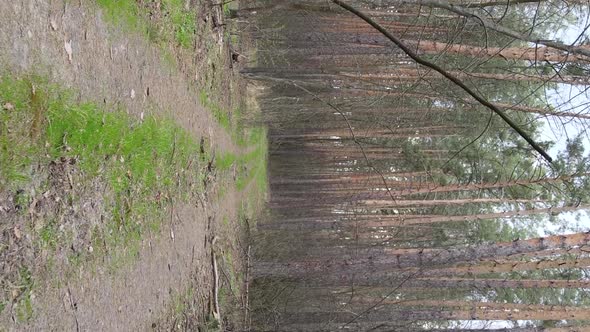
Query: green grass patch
[
  {"x": 221, "y": 192},
  {"x": 229, "y": 262},
  {"x": 211, "y": 324},
  {"x": 20, "y": 115},
  {"x": 227, "y": 290},
  {"x": 251, "y": 166},
  {"x": 49, "y": 235},
  {"x": 143, "y": 164},
  {"x": 181, "y": 21},
  {"x": 257, "y": 161},
  {"x": 123, "y": 12},
  {"x": 243, "y": 137},
  {"x": 181, "y": 299},
  {"x": 174, "y": 24},
  {"x": 24, "y": 306},
  {"x": 226, "y": 161},
  {"x": 227, "y": 7},
  {"x": 221, "y": 116}
]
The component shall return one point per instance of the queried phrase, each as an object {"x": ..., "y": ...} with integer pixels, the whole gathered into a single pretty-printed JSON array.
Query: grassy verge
[
  {"x": 174, "y": 22},
  {"x": 249, "y": 166},
  {"x": 221, "y": 116},
  {"x": 248, "y": 170},
  {"x": 58, "y": 157}
]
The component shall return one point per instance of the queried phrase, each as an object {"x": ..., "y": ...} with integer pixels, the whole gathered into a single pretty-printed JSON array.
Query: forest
[
  {"x": 295, "y": 165},
  {"x": 428, "y": 165}
]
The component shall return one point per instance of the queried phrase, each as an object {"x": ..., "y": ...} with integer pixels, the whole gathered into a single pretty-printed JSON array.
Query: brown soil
[{"x": 119, "y": 68}]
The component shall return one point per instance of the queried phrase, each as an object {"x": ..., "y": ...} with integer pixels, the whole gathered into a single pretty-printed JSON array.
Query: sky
[{"x": 574, "y": 99}]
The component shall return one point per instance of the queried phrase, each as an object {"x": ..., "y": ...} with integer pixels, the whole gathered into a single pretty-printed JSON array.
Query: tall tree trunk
[{"x": 378, "y": 260}]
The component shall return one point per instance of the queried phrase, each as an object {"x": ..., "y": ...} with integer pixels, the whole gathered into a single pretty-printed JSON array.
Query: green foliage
[
  {"x": 17, "y": 132},
  {"x": 49, "y": 234},
  {"x": 226, "y": 8},
  {"x": 123, "y": 12},
  {"x": 176, "y": 24},
  {"x": 140, "y": 159},
  {"x": 137, "y": 153},
  {"x": 24, "y": 307},
  {"x": 229, "y": 262},
  {"x": 182, "y": 22},
  {"x": 211, "y": 324},
  {"x": 181, "y": 300},
  {"x": 250, "y": 166},
  {"x": 221, "y": 116},
  {"x": 226, "y": 161}
]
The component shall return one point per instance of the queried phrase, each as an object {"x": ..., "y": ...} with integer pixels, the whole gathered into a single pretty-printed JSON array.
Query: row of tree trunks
[{"x": 381, "y": 259}]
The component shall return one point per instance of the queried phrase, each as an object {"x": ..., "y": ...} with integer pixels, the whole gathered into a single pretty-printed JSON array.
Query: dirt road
[{"x": 72, "y": 44}]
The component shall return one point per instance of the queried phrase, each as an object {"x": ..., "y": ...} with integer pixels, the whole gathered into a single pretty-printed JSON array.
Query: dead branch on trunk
[{"x": 450, "y": 77}]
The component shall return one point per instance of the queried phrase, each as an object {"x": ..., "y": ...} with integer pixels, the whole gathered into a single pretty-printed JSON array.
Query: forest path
[{"x": 72, "y": 44}]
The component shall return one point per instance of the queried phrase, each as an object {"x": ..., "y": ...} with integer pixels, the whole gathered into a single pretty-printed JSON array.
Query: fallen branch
[
  {"x": 450, "y": 77},
  {"x": 216, "y": 313},
  {"x": 498, "y": 3},
  {"x": 247, "y": 287}
]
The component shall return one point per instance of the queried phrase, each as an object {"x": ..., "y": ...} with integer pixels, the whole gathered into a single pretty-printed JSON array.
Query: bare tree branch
[
  {"x": 450, "y": 77},
  {"x": 499, "y": 3},
  {"x": 499, "y": 28}
]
